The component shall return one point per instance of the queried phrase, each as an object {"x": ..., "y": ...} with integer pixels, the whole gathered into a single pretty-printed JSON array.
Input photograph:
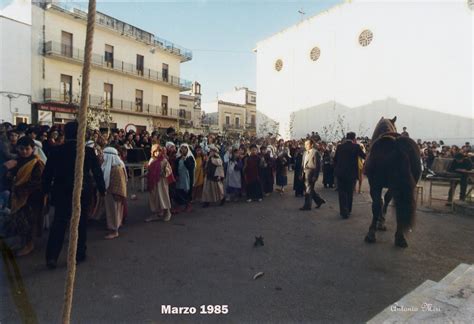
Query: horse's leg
[
  {"x": 376, "y": 195},
  {"x": 386, "y": 201},
  {"x": 405, "y": 207}
]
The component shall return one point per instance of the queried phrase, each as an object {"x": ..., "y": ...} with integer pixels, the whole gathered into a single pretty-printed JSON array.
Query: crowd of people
[{"x": 183, "y": 170}]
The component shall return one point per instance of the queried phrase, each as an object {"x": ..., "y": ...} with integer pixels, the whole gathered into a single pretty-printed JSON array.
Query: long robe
[
  {"x": 252, "y": 178},
  {"x": 159, "y": 197},
  {"x": 213, "y": 190},
  {"x": 115, "y": 198},
  {"x": 298, "y": 185}
]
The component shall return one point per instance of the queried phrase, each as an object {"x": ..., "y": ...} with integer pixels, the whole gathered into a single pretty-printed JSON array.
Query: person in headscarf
[
  {"x": 115, "y": 178},
  {"x": 226, "y": 155},
  {"x": 213, "y": 190},
  {"x": 160, "y": 175},
  {"x": 267, "y": 166},
  {"x": 328, "y": 167},
  {"x": 198, "y": 173},
  {"x": 171, "y": 157},
  {"x": 33, "y": 133},
  {"x": 360, "y": 169},
  {"x": 252, "y": 175},
  {"x": 27, "y": 198},
  {"x": 281, "y": 163},
  {"x": 298, "y": 183},
  {"x": 233, "y": 178},
  {"x": 185, "y": 164}
]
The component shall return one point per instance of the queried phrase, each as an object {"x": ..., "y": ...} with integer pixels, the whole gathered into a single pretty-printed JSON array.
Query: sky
[{"x": 221, "y": 34}]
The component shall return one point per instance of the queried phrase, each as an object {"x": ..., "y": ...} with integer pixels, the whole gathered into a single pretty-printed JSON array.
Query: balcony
[
  {"x": 231, "y": 127},
  {"x": 77, "y": 55},
  {"x": 250, "y": 126},
  {"x": 186, "y": 123},
  {"x": 115, "y": 105},
  {"x": 123, "y": 29},
  {"x": 183, "y": 114}
]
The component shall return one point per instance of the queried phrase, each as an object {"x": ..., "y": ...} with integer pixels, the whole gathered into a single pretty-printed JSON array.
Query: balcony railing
[
  {"x": 250, "y": 125},
  {"x": 126, "y": 29},
  {"x": 186, "y": 123},
  {"x": 69, "y": 52},
  {"x": 54, "y": 95}
]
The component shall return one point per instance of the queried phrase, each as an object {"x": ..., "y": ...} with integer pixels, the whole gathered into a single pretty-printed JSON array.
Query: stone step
[
  {"x": 449, "y": 300},
  {"x": 436, "y": 312},
  {"x": 455, "y": 293},
  {"x": 453, "y": 275},
  {"x": 403, "y": 309}
]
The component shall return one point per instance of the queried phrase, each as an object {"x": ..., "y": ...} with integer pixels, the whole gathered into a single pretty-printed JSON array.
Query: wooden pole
[{"x": 79, "y": 167}]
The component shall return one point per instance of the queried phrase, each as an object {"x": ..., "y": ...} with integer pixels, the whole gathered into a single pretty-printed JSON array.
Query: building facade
[
  {"x": 190, "y": 114},
  {"x": 15, "y": 63},
  {"x": 234, "y": 112},
  {"x": 247, "y": 98},
  {"x": 135, "y": 75},
  {"x": 362, "y": 60}
]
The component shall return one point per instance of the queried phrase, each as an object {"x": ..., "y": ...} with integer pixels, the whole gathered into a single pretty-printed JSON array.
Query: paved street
[{"x": 317, "y": 266}]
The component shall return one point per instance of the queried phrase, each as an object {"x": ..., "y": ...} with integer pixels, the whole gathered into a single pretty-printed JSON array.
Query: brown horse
[{"x": 393, "y": 163}]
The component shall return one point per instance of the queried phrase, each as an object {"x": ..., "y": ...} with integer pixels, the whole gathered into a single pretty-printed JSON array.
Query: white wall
[
  {"x": 15, "y": 68},
  {"x": 421, "y": 55}
]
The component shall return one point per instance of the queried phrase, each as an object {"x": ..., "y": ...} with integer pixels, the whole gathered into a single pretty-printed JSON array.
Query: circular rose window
[
  {"x": 278, "y": 65},
  {"x": 315, "y": 53},
  {"x": 365, "y": 38}
]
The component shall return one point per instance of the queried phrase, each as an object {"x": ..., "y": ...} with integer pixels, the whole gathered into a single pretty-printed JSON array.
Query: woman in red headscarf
[{"x": 159, "y": 176}]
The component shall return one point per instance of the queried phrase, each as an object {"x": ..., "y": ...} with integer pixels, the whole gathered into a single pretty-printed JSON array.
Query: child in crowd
[
  {"x": 252, "y": 175},
  {"x": 266, "y": 170},
  {"x": 234, "y": 176},
  {"x": 282, "y": 170},
  {"x": 198, "y": 173},
  {"x": 185, "y": 165},
  {"x": 213, "y": 190},
  {"x": 27, "y": 199}
]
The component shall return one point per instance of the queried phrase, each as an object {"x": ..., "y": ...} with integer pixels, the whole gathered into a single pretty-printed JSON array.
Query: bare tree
[
  {"x": 291, "y": 125},
  {"x": 99, "y": 116}
]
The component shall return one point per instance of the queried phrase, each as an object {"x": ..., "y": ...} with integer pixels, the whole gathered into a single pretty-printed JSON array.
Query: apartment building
[
  {"x": 190, "y": 114},
  {"x": 134, "y": 73}
]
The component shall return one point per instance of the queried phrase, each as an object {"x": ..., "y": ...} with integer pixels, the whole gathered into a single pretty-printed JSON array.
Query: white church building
[{"x": 361, "y": 60}]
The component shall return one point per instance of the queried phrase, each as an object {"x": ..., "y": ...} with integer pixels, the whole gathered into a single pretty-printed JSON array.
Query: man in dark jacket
[
  {"x": 459, "y": 164},
  {"x": 58, "y": 179},
  {"x": 346, "y": 171}
]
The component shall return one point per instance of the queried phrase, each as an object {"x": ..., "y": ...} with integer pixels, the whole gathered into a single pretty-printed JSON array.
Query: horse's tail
[{"x": 409, "y": 169}]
